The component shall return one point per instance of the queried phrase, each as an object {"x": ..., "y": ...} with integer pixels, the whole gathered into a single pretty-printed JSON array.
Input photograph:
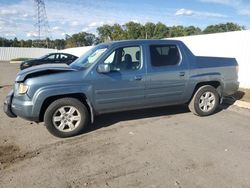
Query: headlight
[{"x": 23, "y": 88}]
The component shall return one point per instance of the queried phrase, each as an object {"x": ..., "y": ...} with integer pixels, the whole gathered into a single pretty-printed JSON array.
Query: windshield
[{"x": 89, "y": 57}]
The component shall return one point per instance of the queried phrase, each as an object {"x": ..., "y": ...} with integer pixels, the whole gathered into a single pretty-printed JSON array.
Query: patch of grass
[{"x": 21, "y": 59}]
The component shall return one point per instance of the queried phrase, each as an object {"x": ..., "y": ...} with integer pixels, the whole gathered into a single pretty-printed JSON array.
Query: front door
[
  {"x": 123, "y": 87},
  {"x": 49, "y": 59}
]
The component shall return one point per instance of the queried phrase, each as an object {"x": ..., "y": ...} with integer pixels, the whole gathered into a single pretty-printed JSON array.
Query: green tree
[
  {"x": 130, "y": 30},
  {"x": 149, "y": 30},
  {"x": 134, "y": 30},
  {"x": 80, "y": 39},
  {"x": 59, "y": 44},
  {"x": 160, "y": 31},
  {"x": 28, "y": 43},
  {"x": 118, "y": 33},
  {"x": 222, "y": 28},
  {"x": 15, "y": 42},
  {"x": 191, "y": 30},
  {"x": 177, "y": 31},
  {"x": 2, "y": 41},
  {"x": 105, "y": 33},
  {"x": 22, "y": 43}
]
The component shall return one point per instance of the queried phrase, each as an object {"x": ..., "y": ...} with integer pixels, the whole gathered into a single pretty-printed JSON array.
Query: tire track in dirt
[{"x": 10, "y": 153}]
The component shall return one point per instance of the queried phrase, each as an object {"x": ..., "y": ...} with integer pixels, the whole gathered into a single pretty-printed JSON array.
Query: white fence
[
  {"x": 8, "y": 53},
  {"x": 79, "y": 51},
  {"x": 231, "y": 44}
]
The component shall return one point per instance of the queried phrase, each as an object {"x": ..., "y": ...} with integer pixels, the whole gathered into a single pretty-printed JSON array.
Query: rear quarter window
[{"x": 164, "y": 55}]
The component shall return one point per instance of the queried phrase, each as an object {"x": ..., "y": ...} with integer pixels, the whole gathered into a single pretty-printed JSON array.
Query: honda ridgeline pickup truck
[{"x": 120, "y": 76}]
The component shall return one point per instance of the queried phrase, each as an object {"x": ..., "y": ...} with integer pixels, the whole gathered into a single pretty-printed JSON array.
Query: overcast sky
[{"x": 17, "y": 17}]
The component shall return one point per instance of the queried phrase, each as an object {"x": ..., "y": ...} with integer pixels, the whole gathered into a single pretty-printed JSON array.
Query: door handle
[
  {"x": 138, "y": 78},
  {"x": 182, "y": 73}
]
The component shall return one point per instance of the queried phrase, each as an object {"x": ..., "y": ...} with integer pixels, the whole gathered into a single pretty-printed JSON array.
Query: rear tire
[
  {"x": 66, "y": 117},
  {"x": 205, "y": 101}
]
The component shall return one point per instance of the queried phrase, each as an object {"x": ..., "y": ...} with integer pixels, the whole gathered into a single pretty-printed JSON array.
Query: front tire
[
  {"x": 66, "y": 117},
  {"x": 205, "y": 101}
]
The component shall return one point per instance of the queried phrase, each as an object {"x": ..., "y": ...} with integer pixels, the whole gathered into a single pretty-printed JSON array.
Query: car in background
[{"x": 50, "y": 58}]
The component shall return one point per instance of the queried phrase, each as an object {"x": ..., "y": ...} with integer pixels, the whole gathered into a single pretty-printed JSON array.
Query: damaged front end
[
  {"x": 7, "y": 105},
  {"x": 42, "y": 70},
  {"x": 19, "y": 101}
]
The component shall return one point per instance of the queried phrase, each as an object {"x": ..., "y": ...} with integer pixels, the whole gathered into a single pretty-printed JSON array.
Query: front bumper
[
  {"x": 7, "y": 105},
  {"x": 16, "y": 106}
]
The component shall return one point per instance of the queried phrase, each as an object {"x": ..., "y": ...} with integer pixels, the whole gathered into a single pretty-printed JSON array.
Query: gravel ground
[
  {"x": 243, "y": 95},
  {"x": 162, "y": 147},
  {"x": 7, "y": 73}
]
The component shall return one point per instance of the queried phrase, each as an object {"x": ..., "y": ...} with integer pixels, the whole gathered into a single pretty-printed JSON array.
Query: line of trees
[{"x": 130, "y": 30}]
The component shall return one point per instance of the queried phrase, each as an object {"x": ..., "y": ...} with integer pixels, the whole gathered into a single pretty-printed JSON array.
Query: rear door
[
  {"x": 64, "y": 58},
  {"x": 71, "y": 59},
  {"x": 57, "y": 58},
  {"x": 167, "y": 75},
  {"x": 123, "y": 87}
]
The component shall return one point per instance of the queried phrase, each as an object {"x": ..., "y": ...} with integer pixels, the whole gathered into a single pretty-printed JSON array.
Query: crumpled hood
[{"x": 42, "y": 70}]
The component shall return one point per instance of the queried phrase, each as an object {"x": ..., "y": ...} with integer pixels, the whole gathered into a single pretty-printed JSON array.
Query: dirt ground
[
  {"x": 243, "y": 95},
  {"x": 162, "y": 147},
  {"x": 7, "y": 73}
]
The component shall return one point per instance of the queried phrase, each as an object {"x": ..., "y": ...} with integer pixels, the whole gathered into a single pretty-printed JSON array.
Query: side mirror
[{"x": 103, "y": 68}]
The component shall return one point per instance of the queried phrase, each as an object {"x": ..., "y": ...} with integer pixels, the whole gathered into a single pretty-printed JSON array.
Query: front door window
[{"x": 125, "y": 59}]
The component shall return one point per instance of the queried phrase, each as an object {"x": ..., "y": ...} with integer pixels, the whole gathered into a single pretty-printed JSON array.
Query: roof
[{"x": 139, "y": 41}]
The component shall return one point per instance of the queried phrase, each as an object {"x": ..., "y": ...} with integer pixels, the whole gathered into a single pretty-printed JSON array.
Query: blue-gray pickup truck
[{"x": 119, "y": 76}]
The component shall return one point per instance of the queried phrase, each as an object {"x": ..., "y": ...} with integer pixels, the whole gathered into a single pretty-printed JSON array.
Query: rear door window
[
  {"x": 164, "y": 55},
  {"x": 64, "y": 57}
]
